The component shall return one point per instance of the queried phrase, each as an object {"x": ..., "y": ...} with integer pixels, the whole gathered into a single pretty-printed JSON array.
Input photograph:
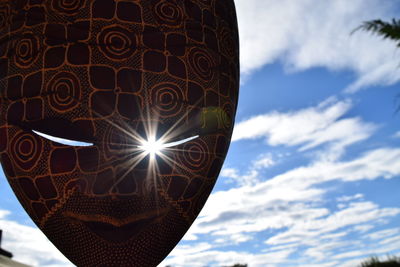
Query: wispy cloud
[
  {"x": 310, "y": 33},
  {"x": 284, "y": 199},
  {"x": 251, "y": 177},
  {"x": 386, "y": 233},
  {"x": 311, "y": 231},
  {"x": 307, "y": 128},
  {"x": 349, "y": 198},
  {"x": 289, "y": 212}
]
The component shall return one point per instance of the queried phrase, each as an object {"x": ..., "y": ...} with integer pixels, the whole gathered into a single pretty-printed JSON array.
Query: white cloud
[
  {"x": 251, "y": 177},
  {"x": 381, "y": 248},
  {"x": 324, "y": 239},
  {"x": 266, "y": 204},
  {"x": 384, "y": 233},
  {"x": 310, "y": 33},
  {"x": 264, "y": 161},
  {"x": 371, "y": 165},
  {"x": 229, "y": 173},
  {"x": 233, "y": 239},
  {"x": 29, "y": 245},
  {"x": 362, "y": 228},
  {"x": 308, "y": 128},
  {"x": 349, "y": 198},
  {"x": 393, "y": 241},
  {"x": 4, "y": 213},
  {"x": 310, "y": 231},
  {"x": 190, "y": 249}
]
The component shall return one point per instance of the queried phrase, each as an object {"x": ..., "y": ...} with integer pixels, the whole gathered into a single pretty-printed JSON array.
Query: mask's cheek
[
  {"x": 21, "y": 152},
  {"x": 197, "y": 166},
  {"x": 30, "y": 163},
  {"x": 26, "y": 151}
]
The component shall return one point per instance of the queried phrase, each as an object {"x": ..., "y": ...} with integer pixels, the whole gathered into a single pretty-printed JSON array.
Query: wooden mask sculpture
[{"x": 148, "y": 87}]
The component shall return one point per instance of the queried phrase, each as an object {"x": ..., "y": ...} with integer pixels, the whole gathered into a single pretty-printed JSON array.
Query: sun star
[{"x": 154, "y": 147}]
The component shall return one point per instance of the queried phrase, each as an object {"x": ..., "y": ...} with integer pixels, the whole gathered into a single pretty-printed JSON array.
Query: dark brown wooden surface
[{"x": 102, "y": 71}]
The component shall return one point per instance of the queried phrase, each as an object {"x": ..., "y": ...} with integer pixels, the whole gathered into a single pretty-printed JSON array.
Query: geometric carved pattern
[{"x": 100, "y": 71}]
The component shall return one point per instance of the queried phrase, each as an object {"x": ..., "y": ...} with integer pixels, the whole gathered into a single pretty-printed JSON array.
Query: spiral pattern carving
[
  {"x": 67, "y": 7},
  {"x": 202, "y": 63},
  {"x": 64, "y": 91},
  {"x": 226, "y": 43},
  {"x": 26, "y": 50},
  {"x": 167, "y": 99},
  {"x": 117, "y": 43},
  {"x": 26, "y": 150},
  {"x": 168, "y": 12},
  {"x": 195, "y": 155}
]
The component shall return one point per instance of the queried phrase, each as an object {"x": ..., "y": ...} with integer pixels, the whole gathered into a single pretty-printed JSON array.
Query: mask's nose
[
  {"x": 118, "y": 181},
  {"x": 119, "y": 166}
]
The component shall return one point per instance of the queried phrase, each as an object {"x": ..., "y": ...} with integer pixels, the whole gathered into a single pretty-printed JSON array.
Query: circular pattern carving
[
  {"x": 117, "y": 43},
  {"x": 226, "y": 43},
  {"x": 167, "y": 99},
  {"x": 168, "y": 13},
  {"x": 195, "y": 155},
  {"x": 26, "y": 50},
  {"x": 68, "y": 7},
  {"x": 26, "y": 150},
  {"x": 64, "y": 91},
  {"x": 202, "y": 63}
]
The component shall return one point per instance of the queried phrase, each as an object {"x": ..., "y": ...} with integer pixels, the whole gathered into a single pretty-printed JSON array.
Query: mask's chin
[
  {"x": 114, "y": 219},
  {"x": 116, "y": 229}
]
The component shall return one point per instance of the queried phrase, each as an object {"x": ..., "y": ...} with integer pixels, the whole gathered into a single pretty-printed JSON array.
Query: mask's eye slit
[
  {"x": 154, "y": 147},
  {"x": 62, "y": 140},
  {"x": 179, "y": 142}
]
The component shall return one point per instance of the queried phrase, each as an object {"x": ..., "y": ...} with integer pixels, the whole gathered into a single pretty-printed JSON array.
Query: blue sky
[{"x": 313, "y": 172}]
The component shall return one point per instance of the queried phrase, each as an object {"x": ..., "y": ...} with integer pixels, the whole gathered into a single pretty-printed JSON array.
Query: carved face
[{"x": 123, "y": 77}]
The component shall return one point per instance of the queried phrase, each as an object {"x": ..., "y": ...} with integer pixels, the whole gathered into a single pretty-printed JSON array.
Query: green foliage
[
  {"x": 388, "y": 30},
  {"x": 375, "y": 262}
]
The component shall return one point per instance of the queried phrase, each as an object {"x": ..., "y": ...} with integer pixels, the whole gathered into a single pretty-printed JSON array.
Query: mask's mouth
[{"x": 116, "y": 229}]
